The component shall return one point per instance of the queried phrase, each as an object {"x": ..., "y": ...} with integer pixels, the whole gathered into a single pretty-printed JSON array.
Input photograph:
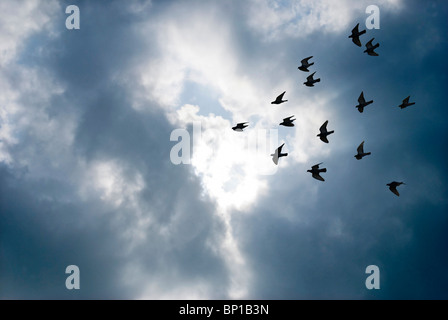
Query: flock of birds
[{"x": 324, "y": 132}]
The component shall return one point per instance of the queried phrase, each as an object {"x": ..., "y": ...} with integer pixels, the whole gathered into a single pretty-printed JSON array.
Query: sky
[{"x": 89, "y": 119}]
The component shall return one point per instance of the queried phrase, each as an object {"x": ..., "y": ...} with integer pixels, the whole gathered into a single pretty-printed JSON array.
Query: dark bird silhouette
[
  {"x": 370, "y": 48},
  {"x": 310, "y": 81},
  {"x": 355, "y": 35},
  {"x": 278, "y": 153},
  {"x": 315, "y": 171},
  {"x": 240, "y": 126},
  {"x": 287, "y": 122},
  {"x": 393, "y": 186},
  {"x": 279, "y": 99},
  {"x": 305, "y": 64},
  {"x": 406, "y": 103},
  {"x": 361, "y": 152},
  {"x": 324, "y": 133},
  {"x": 362, "y": 102}
]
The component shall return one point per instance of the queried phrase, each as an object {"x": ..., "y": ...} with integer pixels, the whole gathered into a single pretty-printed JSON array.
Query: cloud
[
  {"x": 20, "y": 20},
  {"x": 94, "y": 175},
  {"x": 274, "y": 20},
  {"x": 86, "y": 176}
]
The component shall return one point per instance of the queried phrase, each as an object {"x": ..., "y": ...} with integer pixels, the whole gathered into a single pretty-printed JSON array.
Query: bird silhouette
[
  {"x": 324, "y": 133},
  {"x": 315, "y": 172},
  {"x": 406, "y": 103},
  {"x": 305, "y": 64},
  {"x": 279, "y": 99},
  {"x": 362, "y": 102},
  {"x": 278, "y": 153},
  {"x": 240, "y": 126},
  {"x": 355, "y": 35},
  {"x": 393, "y": 186},
  {"x": 287, "y": 122},
  {"x": 310, "y": 81},
  {"x": 361, "y": 152},
  {"x": 370, "y": 48}
]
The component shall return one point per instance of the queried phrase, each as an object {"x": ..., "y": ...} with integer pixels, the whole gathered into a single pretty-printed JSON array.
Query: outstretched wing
[
  {"x": 279, "y": 149},
  {"x": 277, "y": 152},
  {"x": 316, "y": 166},
  {"x": 406, "y": 100},
  {"x": 275, "y": 157},
  {"x": 280, "y": 97},
  {"x": 310, "y": 77},
  {"x": 323, "y": 128},
  {"x": 394, "y": 190},
  {"x": 361, "y": 99},
  {"x": 355, "y": 29},
  {"x": 305, "y": 61},
  {"x": 361, "y": 148},
  {"x": 356, "y": 41},
  {"x": 369, "y": 44},
  {"x": 318, "y": 176}
]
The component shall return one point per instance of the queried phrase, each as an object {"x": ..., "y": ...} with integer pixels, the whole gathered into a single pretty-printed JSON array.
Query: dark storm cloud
[
  {"x": 321, "y": 249},
  {"x": 46, "y": 225},
  {"x": 41, "y": 237}
]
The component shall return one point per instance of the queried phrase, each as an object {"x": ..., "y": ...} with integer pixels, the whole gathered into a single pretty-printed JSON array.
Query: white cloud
[
  {"x": 109, "y": 180},
  {"x": 19, "y": 20},
  {"x": 275, "y": 19}
]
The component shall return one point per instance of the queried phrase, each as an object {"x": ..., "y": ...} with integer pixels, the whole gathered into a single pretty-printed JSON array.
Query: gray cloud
[
  {"x": 91, "y": 182},
  {"x": 306, "y": 245},
  {"x": 164, "y": 229}
]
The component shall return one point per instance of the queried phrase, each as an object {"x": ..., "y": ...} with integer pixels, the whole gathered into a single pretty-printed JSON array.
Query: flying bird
[
  {"x": 393, "y": 186},
  {"x": 370, "y": 48},
  {"x": 315, "y": 171},
  {"x": 362, "y": 102},
  {"x": 361, "y": 152},
  {"x": 287, "y": 122},
  {"x": 324, "y": 133},
  {"x": 278, "y": 153},
  {"x": 355, "y": 35},
  {"x": 406, "y": 103},
  {"x": 305, "y": 64},
  {"x": 279, "y": 99},
  {"x": 310, "y": 81},
  {"x": 240, "y": 126}
]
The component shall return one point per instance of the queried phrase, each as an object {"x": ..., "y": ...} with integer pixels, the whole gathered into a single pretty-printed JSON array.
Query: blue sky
[{"x": 86, "y": 176}]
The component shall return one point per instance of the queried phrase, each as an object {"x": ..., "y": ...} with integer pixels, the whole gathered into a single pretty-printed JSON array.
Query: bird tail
[
  {"x": 368, "y": 153},
  {"x": 323, "y": 170},
  {"x": 362, "y": 32},
  {"x": 317, "y": 80},
  {"x": 311, "y": 64},
  {"x": 330, "y": 132}
]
